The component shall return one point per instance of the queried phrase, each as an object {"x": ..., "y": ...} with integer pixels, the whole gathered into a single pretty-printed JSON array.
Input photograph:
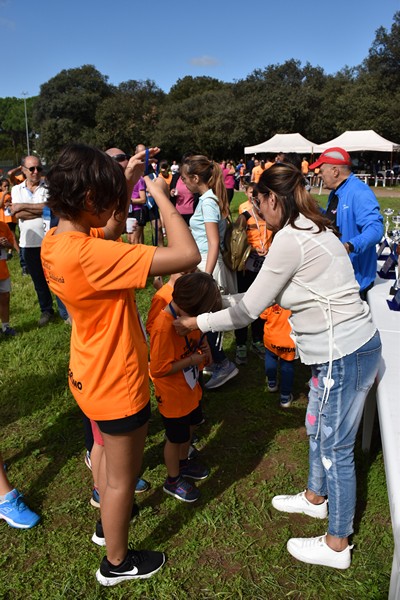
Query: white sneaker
[
  {"x": 316, "y": 551},
  {"x": 300, "y": 504}
]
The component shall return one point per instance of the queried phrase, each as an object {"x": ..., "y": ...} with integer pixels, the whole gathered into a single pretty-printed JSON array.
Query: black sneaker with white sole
[
  {"x": 98, "y": 536},
  {"x": 138, "y": 564}
]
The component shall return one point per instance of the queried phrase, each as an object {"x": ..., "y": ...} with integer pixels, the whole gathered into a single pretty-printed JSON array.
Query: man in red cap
[{"x": 354, "y": 209}]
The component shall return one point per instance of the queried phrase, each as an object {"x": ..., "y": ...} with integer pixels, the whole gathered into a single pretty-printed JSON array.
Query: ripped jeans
[{"x": 331, "y": 454}]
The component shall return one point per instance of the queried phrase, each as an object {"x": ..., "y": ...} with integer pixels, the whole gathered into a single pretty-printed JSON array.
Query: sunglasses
[
  {"x": 121, "y": 157},
  {"x": 33, "y": 169}
]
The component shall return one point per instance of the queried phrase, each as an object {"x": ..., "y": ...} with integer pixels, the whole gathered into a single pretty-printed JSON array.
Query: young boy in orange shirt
[
  {"x": 174, "y": 367},
  {"x": 279, "y": 346}
]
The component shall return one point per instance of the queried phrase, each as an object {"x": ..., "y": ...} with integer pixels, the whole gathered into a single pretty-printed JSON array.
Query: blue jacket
[{"x": 360, "y": 222}]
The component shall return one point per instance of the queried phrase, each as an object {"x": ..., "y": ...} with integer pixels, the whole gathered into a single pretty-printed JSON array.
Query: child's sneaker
[
  {"x": 98, "y": 536},
  {"x": 95, "y": 499},
  {"x": 286, "y": 401},
  {"x": 222, "y": 373},
  {"x": 241, "y": 355},
  {"x": 17, "y": 514},
  {"x": 194, "y": 470},
  {"x": 182, "y": 490},
  {"x": 272, "y": 386},
  {"x": 259, "y": 349},
  {"x": 88, "y": 462},
  {"x": 142, "y": 486},
  {"x": 9, "y": 331},
  {"x": 137, "y": 565}
]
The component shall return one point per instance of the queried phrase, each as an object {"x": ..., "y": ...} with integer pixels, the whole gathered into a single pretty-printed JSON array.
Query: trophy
[
  {"x": 388, "y": 212},
  {"x": 392, "y": 238}
]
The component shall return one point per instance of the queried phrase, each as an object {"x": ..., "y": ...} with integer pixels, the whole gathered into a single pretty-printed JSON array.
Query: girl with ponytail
[{"x": 208, "y": 226}]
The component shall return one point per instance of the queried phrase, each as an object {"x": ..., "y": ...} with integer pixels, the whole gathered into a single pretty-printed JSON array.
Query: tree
[
  {"x": 129, "y": 116},
  {"x": 65, "y": 110},
  {"x": 13, "y": 127}
]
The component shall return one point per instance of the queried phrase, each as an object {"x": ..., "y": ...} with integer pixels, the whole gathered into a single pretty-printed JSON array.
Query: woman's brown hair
[{"x": 288, "y": 185}]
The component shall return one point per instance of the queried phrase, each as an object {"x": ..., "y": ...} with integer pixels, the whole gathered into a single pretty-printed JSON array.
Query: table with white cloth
[{"x": 386, "y": 396}]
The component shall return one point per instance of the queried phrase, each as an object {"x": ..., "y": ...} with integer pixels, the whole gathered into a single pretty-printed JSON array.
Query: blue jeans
[
  {"x": 31, "y": 256},
  {"x": 332, "y": 428},
  {"x": 287, "y": 372}
]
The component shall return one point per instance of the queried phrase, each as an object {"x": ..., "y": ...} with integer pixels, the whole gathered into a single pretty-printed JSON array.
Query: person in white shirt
[
  {"x": 28, "y": 200},
  {"x": 308, "y": 271}
]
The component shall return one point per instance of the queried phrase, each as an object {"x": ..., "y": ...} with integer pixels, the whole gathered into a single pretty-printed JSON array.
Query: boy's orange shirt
[
  {"x": 277, "y": 331},
  {"x": 174, "y": 396},
  {"x": 5, "y": 231},
  {"x": 95, "y": 278},
  {"x": 257, "y": 232},
  {"x": 161, "y": 298}
]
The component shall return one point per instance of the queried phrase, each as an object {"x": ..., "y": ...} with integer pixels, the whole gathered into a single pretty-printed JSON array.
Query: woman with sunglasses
[{"x": 308, "y": 271}]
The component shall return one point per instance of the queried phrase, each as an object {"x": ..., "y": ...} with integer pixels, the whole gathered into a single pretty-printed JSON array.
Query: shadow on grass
[{"x": 242, "y": 422}]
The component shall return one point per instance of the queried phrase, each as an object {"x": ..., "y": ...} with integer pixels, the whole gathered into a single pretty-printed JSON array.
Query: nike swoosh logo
[{"x": 134, "y": 571}]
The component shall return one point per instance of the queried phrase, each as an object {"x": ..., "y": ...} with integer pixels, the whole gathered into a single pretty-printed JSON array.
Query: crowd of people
[{"x": 302, "y": 289}]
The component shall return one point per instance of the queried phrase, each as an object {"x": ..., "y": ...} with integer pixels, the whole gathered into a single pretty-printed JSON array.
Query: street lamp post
[{"x": 26, "y": 122}]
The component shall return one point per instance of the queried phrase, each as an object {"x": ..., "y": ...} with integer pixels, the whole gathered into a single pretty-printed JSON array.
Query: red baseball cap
[{"x": 333, "y": 156}]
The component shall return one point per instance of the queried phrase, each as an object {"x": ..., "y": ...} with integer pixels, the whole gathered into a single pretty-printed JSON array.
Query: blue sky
[{"x": 164, "y": 41}]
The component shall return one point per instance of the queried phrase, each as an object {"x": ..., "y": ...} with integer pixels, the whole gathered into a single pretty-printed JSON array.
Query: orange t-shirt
[
  {"x": 95, "y": 278},
  {"x": 256, "y": 173},
  {"x": 167, "y": 179},
  {"x": 5, "y": 197},
  {"x": 258, "y": 236},
  {"x": 174, "y": 395},
  {"x": 277, "y": 332},
  {"x": 161, "y": 298},
  {"x": 5, "y": 231}
]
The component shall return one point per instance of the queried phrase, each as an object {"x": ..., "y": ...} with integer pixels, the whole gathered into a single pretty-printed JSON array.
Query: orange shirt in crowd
[
  {"x": 256, "y": 173},
  {"x": 258, "y": 236},
  {"x": 5, "y": 231},
  {"x": 277, "y": 332},
  {"x": 4, "y": 198},
  {"x": 161, "y": 298},
  {"x": 304, "y": 167},
  {"x": 95, "y": 278},
  {"x": 167, "y": 179},
  {"x": 174, "y": 395}
]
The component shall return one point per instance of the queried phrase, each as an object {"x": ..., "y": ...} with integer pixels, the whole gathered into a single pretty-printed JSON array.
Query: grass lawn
[{"x": 231, "y": 544}]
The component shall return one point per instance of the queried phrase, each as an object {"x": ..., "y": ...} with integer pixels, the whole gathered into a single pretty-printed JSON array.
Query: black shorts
[
  {"x": 154, "y": 215},
  {"x": 178, "y": 430},
  {"x": 126, "y": 424},
  {"x": 140, "y": 214}
]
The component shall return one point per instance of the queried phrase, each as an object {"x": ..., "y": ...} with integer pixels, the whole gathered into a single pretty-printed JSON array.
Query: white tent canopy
[
  {"x": 285, "y": 142},
  {"x": 357, "y": 141}
]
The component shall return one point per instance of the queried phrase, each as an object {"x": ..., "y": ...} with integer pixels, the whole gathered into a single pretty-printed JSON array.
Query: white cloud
[{"x": 204, "y": 61}]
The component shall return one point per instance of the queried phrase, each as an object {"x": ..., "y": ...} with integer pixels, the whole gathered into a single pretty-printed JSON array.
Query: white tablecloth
[{"x": 386, "y": 396}]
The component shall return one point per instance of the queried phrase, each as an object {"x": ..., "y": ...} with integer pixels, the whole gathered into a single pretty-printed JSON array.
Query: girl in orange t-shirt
[
  {"x": 279, "y": 347},
  {"x": 95, "y": 277},
  {"x": 174, "y": 367}
]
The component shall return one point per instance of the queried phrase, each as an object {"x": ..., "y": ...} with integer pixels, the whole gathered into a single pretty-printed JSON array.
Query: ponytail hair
[
  {"x": 288, "y": 185},
  {"x": 210, "y": 173}
]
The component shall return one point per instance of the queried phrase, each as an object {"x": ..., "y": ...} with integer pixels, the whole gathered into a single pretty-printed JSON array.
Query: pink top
[
  {"x": 229, "y": 179},
  {"x": 184, "y": 199}
]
